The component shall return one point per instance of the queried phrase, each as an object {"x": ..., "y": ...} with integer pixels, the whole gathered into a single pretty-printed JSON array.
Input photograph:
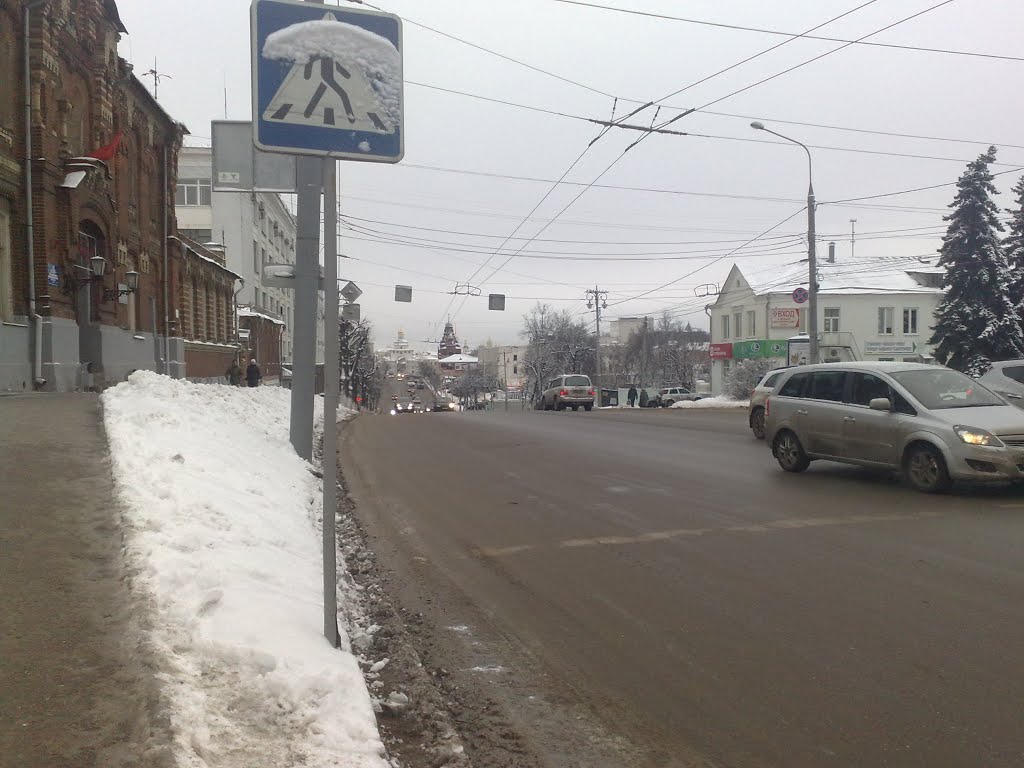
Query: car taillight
[
  {"x": 590, "y": 393},
  {"x": 767, "y": 405},
  {"x": 564, "y": 393}
]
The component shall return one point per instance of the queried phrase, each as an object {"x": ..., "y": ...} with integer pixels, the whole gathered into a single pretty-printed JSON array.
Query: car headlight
[{"x": 975, "y": 436}]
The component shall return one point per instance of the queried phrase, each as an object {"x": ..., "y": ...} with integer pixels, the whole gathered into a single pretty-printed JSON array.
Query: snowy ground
[
  {"x": 221, "y": 531},
  {"x": 712, "y": 402}
]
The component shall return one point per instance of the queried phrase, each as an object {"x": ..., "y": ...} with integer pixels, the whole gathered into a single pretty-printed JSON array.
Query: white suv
[
  {"x": 670, "y": 395},
  {"x": 572, "y": 390}
]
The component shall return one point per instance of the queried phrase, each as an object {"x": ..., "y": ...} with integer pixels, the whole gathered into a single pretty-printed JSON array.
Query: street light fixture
[{"x": 812, "y": 253}]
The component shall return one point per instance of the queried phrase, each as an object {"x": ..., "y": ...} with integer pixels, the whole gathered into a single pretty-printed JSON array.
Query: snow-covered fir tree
[
  {"x": 1014, "y": 245},
  {"x": 977, "y": 321}
]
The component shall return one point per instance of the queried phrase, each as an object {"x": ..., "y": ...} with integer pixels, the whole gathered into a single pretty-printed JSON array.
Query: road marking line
[{"x": 784, "y": 524}]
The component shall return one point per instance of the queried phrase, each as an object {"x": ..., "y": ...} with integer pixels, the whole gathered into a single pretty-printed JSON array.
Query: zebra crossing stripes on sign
[{"x": 327, "y": 81}]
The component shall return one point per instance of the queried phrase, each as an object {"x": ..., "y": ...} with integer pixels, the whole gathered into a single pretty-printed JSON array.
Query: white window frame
[
  {"x": 752, "y": 323},
  {"x": 831, "y": 327},
  {"x": 737, "y": 319},
  {"x": 908, "y": 314},
  {"x": 195, "y": 193},
  {"x": 725, "y": 326},
  {"x": 882, "y": 313}
]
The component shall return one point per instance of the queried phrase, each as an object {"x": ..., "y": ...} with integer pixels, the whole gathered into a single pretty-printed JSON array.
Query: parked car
[
  {"x": 571, "y": 390},
  {"x": 934, "y": 424},
  {"x": 669, "y": 395},
  {"x": 755, "y": 414},
  {"x": 1007, "y": 379}
]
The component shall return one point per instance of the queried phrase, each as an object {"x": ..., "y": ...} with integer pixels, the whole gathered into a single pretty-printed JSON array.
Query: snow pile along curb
[
  {"x": 712, "y": 402},
  {"x": 220, "y": 522}
]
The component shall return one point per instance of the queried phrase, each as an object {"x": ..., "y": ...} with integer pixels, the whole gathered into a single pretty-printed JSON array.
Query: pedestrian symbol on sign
[
  {"x": 327, "y": 81},
  {"x": 311, "y": 94}
]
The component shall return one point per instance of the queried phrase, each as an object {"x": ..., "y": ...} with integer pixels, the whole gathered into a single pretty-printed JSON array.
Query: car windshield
[
  {"x": 944, "y": 388},
  {"x": 577, "y": 381}
]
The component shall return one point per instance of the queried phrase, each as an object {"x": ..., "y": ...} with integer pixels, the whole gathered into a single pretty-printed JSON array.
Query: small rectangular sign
[
  {"x": 496, "y": 301},
  {"x": 403, "y": 293},
  {"x": 889, "y": 348},
  {"x": 721, "y": 351},
  {"x": 785, "y": 317}
]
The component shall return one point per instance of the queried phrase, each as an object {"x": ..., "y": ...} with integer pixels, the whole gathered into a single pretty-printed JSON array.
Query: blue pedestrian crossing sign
[{"x": 327, "y": 81}]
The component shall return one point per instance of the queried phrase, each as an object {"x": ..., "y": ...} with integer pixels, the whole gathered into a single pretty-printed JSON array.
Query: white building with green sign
[{"x": 869, "y": 309}]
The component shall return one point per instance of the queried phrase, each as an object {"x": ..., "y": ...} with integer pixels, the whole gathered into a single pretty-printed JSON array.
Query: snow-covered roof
[
  {"x": 250, "y": 312},
  {"x": 876, "y": 275},
  {"x": 459, "y": 359}
]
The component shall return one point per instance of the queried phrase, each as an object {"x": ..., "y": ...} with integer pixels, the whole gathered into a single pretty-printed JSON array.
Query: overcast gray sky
[{"x": 691, "y": 198}]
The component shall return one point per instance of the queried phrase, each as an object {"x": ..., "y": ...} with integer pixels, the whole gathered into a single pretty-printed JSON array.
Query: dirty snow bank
[
  {"x": 376, "y": 56},
  {"x": 221, "y": 530},
  {"x": 712, "y": 402}
]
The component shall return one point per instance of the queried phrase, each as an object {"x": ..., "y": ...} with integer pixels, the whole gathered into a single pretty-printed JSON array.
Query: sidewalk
[{"x": 73, "y": 687}]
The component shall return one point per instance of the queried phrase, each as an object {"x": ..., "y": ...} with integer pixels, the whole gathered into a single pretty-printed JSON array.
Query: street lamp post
[{"x": 812, "y": 251}]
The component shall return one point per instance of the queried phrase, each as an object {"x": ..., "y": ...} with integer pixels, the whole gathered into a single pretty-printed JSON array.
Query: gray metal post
[
  {"x": 812, "y": 271},
  {"x": 597, "y": 342},
  {"x": 331, "y": 394},
  {"x": 309, "y": 172}
]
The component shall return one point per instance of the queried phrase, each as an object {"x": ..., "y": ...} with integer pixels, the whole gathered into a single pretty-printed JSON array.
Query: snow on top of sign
[{"x": 350, "y": 46}]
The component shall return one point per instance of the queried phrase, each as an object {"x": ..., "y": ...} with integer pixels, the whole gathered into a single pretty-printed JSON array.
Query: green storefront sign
[{"x": 744, "y": 350}]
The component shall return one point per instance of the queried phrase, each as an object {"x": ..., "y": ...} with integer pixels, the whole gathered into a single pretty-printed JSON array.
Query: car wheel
[
  {"x": 789, "y": 452},
  {"x": 668, "y": 403},
  {"x": 575, "y": 408},
  {"x": 587, "y": 408},
  {"x": 559, "y": 406},
  {"x": 926, "y": 470},
  {"x": 757, "y": 423}
]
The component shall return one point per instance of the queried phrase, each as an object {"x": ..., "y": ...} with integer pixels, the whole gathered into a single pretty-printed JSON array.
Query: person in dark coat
[
  {"x": 234, "y": 374},
  {"x": 253, "y": 375},
  {"x": 631, "y": 396},
  {"x": 644, "y": 398}
]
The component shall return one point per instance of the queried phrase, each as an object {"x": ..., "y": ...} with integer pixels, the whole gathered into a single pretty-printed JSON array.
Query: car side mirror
[{"x": 880, "y": 404}]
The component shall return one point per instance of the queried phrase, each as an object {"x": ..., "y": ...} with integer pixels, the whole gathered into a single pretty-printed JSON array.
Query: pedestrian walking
[
  {"x": 253, "y": 375},
  {"x": 631, "y": 396},
  {"x": 234, "y": 374},
  {"x": 644, "y": 399}
]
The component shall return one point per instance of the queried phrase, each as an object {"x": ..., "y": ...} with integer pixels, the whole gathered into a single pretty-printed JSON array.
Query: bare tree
[{"x": 557, "y": 343}]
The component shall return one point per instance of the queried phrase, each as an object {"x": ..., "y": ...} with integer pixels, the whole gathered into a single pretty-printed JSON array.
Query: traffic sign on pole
[
  {"x": 800, "y": 295},
  {"x": 351, "y": 291},
  {"x": 327, "y": 81}
]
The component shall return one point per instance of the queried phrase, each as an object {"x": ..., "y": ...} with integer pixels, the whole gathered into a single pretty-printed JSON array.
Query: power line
[
  {"x": 623, "y": 153},
  {"x": 741, "y": 90},
  {"x": 738, "y": 27},
  {"x": 908, "y": 191},
  {"x": 803, "y": 123},
  {"x": 808, "y": 61},
  {"x": 715, "y": 261}
]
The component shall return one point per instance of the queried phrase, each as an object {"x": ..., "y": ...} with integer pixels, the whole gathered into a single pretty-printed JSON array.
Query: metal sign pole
[
  {"x": 307, "y": 277},
  {"x": 331, "y": 395}
]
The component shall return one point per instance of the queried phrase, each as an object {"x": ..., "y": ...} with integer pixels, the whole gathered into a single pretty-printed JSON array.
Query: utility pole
[
  {"x": 643, "y": 354},
  {"x": 504, "y": 365},
  {"x": 853, "y": 236},
  {"x": 812, "y": 251},
  {"x": 597, "y": 300}
]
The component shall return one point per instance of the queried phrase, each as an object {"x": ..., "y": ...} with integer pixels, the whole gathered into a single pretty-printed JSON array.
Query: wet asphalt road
[{"x": 670, "y": 580}]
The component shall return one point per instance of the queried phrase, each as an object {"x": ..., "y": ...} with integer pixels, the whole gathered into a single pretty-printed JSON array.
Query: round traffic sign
[{"x": 800, "y": 295}]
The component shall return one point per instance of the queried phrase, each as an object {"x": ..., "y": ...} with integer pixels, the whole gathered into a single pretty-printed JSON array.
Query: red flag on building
[{"x": 106, "y": 152}]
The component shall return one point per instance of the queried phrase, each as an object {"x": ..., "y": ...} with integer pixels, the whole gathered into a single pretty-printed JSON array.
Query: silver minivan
[{"x": 932, "y": 423}]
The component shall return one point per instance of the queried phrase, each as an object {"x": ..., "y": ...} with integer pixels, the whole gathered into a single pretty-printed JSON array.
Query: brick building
[
  {"x": 84, "y": 98},
  {"x": 202, "y": 295}
]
